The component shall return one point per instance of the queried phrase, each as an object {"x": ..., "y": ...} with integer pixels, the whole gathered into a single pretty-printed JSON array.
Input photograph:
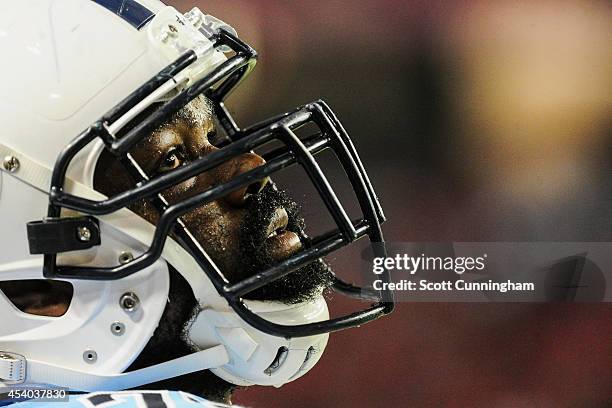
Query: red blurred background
[{"x": 477, "y": 121}]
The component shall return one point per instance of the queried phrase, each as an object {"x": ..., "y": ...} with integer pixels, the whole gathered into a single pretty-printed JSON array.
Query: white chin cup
[{"x": 257, "y": 358}]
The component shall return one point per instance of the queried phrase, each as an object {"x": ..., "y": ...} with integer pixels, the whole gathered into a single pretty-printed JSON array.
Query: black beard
[{"x": 301, "y": 285}]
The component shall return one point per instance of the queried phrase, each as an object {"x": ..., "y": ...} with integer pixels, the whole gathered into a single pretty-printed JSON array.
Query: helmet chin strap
[{"x": 38, "y": 372}]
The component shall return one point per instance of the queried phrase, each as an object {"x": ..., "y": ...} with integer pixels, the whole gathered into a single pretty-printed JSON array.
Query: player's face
[{"x": 243, "y": 232}]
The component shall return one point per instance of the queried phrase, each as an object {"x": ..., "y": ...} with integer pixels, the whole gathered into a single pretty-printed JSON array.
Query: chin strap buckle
[{"x": 12, "y": 368}]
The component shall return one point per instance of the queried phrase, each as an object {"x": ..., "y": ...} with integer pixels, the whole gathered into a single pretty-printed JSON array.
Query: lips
[
  {"x": 278, "y": 223},
  {"x": 280, "y": 243}
]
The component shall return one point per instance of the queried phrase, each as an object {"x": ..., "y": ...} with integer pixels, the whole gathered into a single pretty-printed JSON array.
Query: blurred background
[{"x": 477, "y": 121}]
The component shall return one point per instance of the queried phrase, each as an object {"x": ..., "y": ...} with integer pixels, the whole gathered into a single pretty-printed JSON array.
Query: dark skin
[
  {"x": 243, "y": 232},
  {"x": 177, "y": 145}
]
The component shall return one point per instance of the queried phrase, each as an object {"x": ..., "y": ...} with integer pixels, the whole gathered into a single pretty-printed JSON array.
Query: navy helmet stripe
[{"x": 130, "y": 10}]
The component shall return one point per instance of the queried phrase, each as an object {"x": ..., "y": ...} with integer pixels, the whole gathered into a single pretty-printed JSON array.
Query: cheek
[
  {"x": 189, "y": 188},
  {"x": 182, "y": 191},
  {"x": 217, "y": 230},
  {"x": 146, "y": 210},
  {"x": 215, "y": 225}
]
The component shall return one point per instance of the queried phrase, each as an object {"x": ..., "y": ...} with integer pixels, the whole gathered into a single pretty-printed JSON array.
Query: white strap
[
  {"x": 39, "y": 372},
  {"x": 12, "y": 368},
  {"x": 39, "y": 176}
]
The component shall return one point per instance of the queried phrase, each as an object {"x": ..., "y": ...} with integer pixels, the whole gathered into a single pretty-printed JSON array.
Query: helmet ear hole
[{"x": 39, "y": 297}]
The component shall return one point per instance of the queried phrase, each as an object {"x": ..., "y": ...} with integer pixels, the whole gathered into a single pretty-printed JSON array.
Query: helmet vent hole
[
  {"x": 39, "y": 297},
  {"x": 118, "y": 328},
  {"x": 90, "y": 356},
  {"x": 281, "y": 357}
]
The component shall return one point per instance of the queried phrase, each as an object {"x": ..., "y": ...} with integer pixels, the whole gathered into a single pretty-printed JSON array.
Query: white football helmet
[{"x": 74, "y": 73}]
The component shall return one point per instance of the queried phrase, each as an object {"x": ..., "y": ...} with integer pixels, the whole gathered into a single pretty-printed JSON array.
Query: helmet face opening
[{"x": 56, "y": 234}]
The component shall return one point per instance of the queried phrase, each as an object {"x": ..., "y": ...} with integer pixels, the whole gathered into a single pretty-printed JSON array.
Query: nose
[{"x": 240, "y": 165}]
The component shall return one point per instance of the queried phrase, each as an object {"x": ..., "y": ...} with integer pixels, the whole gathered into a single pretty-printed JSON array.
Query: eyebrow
[{"x": 197, "y": 112}]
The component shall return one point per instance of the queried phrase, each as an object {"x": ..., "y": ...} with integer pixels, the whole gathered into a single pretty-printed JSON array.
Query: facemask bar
[{"x": 281, "y": 128}]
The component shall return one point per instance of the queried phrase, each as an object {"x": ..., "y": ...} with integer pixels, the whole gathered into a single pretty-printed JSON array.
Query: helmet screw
[
  {"x": 118, "y": 328},
  {"x": 125, "y": 257},
  {"x": 90, "y": 356},
  {"x": 129, "y": 302},
  {"x": 84, "y": 234},
  {"x": 11, "y": 164},
  {"x": 170, "y": 32}
]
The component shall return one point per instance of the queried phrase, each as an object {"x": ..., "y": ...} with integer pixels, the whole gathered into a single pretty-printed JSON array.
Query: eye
[{"x": 173, "y": 160}]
